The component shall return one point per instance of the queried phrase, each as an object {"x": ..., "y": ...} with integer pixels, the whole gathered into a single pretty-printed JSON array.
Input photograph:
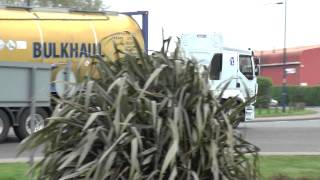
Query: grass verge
[
  {"x": 13, "y": 171},
  {"x": 294, "y": 167},
  {"x": 272, "y": 112},
  {"x": 290, "y": 166}
]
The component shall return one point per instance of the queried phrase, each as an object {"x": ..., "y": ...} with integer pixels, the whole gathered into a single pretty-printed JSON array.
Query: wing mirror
[{"x": 256, "y": 65}]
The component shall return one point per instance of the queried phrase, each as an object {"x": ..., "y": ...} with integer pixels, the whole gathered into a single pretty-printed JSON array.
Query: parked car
[{"x": 273, "y": 102}]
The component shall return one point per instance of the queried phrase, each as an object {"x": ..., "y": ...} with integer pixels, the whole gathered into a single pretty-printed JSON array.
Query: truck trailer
[{"x": 57, "y": 37}]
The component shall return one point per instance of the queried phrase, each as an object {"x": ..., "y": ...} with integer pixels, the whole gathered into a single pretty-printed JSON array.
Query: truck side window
[
  {"x": 256, "y": 66},
  {"x": 215, "y": 67},
  {"x": 245, "y": 66}
]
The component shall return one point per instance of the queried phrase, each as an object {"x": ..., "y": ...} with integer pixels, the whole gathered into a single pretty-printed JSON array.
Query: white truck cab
[{"x": 231, "y": 68}]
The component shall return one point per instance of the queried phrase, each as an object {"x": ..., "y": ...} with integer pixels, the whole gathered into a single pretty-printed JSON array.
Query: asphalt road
[
  {"x": 9, "y": 149},
  {"x": 277, "y": 136},
  {"x": 283, "y": 136}
]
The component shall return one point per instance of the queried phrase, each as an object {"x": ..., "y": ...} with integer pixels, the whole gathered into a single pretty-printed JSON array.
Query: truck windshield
[{"x": 245, "y": 66}]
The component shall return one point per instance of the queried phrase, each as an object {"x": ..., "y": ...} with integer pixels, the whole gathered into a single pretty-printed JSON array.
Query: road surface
[
  {"x": 277, "y": 136},
  {"x": 9, "y": 149},
  {"x": 283, "y": 136}
]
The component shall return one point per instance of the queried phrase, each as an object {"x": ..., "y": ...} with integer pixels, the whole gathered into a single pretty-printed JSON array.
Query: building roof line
[
  {"x": 280, "y": 64},
  {"x": 289, "y": 50}
]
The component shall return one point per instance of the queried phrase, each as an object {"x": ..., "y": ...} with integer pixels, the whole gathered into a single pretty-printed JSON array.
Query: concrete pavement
[{"x": 19, "y": 160}]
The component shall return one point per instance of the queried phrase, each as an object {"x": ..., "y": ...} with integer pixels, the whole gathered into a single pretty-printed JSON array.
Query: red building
[{"x": 302, "y": 67}]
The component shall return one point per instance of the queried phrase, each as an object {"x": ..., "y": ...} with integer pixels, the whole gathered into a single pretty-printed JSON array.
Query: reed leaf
[{"x": 147, "y": 118}]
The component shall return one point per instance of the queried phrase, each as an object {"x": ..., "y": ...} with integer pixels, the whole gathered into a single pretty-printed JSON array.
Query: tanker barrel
[{"x": 48, "y": 42}]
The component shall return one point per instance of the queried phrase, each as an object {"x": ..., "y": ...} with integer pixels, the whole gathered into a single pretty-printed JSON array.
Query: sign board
[{"x": 290, "y": 70}]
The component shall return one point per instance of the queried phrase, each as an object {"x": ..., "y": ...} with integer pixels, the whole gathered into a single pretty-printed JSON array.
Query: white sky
[{"x": 256, "y": 24}]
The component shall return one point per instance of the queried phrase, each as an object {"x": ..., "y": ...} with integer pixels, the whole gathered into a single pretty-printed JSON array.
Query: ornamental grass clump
[{"x": 148, "y": 117}]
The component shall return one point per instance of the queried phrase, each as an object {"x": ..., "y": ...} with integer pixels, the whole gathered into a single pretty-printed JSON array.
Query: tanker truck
[{"x": 56, "y": 38}]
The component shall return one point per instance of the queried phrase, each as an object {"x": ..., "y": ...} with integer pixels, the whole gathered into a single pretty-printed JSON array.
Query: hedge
[
  {"x": 297, "y": 94},
  {"x": 264, "y": 92}
]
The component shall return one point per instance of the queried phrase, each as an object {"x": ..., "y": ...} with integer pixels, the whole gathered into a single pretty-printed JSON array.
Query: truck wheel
[
  {"x": 24, "y": 128},
  {"x": 240, "y": 118},
  {"x": 4, "y": 125}
]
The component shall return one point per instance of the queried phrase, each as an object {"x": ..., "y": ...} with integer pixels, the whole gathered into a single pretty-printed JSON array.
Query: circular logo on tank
[
  {"x": 11, "y": 45},
  {"x": 2, "y": 44}
]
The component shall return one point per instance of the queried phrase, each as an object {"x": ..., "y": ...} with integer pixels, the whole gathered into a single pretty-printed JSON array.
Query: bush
[
  {"x": 264, "y": 92},
  {"x": 151, "y": 117},
  {"x": 299, "y": 94}
]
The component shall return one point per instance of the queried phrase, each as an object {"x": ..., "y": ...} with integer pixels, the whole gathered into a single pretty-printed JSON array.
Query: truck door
[
  {"x": 246, "y": 77},
  {"x": 226, "y": 69},
  {"x": 229, "y": 72}
]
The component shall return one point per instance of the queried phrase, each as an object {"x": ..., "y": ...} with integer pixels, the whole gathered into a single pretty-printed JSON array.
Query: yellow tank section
[{"x": 58, "y": 37}]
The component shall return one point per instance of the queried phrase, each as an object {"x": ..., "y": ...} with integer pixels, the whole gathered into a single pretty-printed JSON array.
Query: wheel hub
[{"x": 38, "y": 123}]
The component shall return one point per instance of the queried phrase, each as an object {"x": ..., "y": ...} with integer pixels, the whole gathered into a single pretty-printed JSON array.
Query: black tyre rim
[{"x": 1, "y": 126}]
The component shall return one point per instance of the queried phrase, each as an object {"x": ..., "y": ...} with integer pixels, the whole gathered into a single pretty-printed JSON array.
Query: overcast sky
[{"x": 256, "y": 24}]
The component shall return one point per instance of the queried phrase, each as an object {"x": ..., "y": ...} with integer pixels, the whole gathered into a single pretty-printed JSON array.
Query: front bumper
[{"x": 249, "y": 110}]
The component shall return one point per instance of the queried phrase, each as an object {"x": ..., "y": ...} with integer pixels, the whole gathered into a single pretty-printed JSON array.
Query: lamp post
[{"x": 284, "y": 60}]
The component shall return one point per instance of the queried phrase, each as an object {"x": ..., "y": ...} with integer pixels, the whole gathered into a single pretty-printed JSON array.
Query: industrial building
[{"x": 302, "y": 65}]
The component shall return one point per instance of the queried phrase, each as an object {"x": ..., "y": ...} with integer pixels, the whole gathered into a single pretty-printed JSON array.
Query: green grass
[
  {"x": 13, "y": 171},
  {"x": 272, "y": 112},
  {"x": 291, "y": 166},
  {"x": 270, "y": 166}
]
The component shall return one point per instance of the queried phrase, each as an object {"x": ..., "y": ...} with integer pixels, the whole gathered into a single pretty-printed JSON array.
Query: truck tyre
[
  {"x": 24, "y": 128},
  {"x": 4, "y": 125},
  {"x": 240, "y": 118}
]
